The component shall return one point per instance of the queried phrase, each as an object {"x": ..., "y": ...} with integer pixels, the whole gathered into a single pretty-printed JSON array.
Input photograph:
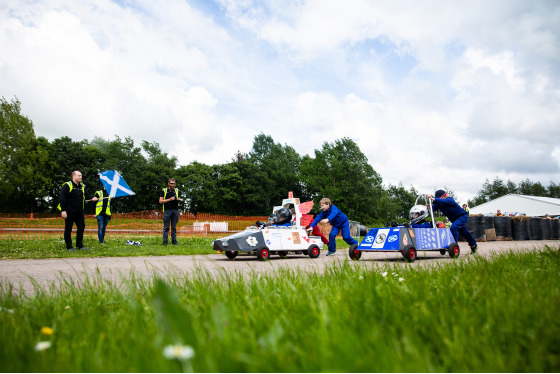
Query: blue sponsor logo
[{"x": 392, "y": 238}]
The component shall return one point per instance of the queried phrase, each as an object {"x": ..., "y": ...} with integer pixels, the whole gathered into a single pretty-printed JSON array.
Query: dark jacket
[
  {"x": 334, "y": 215},
  {"x": 73, "y": 201},
  {"x": 449, "y": 208}
]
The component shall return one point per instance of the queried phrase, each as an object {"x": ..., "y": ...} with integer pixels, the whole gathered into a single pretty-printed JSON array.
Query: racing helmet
[
  {"x": 418, "y": 213},
  {"x": 283, "y": 216},
  {"x": 272, "y": 219}
]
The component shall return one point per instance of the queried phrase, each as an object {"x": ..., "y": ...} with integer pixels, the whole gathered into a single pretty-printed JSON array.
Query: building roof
[{"x": 520, "y": 204}]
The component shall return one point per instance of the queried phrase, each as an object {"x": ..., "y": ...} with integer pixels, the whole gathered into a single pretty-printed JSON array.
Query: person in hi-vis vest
[
  {"x": 73, "y": 197},
  {"x": 102, "y": 213},
  {"x": 169, "y": 197}
]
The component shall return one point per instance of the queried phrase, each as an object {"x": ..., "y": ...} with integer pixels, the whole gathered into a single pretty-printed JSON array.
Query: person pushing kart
[
  {"x": 457, "y": 215},
  {"x": 339, "y": 222}
]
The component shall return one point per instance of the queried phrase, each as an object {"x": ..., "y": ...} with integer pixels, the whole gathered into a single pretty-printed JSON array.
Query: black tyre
[
  {"x": 354, "y": 252},
  {"x": 454, "y": 250},
  {"x": 410, "y": 254},
  {"x": 283, "y": 254},
  {"x": 305, "y": 252},
  {"x": 313, "y": 251},
  {"x": 263, "y": 254},
  {"x": 442, "y": 252},
  {"x": 231, "y": 254}
]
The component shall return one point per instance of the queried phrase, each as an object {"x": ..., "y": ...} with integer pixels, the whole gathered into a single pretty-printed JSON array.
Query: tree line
[
  {"x": 33, "y": 169},
  {"x": 498, "y": 187}
]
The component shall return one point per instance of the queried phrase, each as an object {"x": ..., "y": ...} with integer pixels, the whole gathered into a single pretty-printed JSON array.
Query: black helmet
[
  {"x": 272, "y": 219},
  {"x": 283, "y": 216},
  {"x": 418, "y": 213}
]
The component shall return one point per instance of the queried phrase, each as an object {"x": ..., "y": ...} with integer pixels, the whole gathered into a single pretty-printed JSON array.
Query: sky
[{"x": 437, "y": 94}]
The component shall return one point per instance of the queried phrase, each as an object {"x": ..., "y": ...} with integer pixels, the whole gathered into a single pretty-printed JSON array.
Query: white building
[{"x": 535, "y": 206}]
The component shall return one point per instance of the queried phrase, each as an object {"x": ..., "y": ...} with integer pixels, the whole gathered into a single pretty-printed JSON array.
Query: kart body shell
[
  {"x": 407, "y": 241},
  {"x": 281, "y": 240}
]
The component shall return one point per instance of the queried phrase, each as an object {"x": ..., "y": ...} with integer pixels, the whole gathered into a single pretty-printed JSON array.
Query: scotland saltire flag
[{"x": 114, "y": 184}]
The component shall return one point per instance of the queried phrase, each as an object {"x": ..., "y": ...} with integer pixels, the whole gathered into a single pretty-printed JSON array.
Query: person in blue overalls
[
  {"x": 339, "y": 222},
  {"x": 457, "y": 215}
]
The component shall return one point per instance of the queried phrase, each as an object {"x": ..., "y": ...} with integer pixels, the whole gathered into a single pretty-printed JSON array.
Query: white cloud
[{"x": 435, "y": 94}]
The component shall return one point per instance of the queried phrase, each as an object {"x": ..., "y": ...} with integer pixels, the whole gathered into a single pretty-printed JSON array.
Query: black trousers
[{"x": 72, "y": 218}]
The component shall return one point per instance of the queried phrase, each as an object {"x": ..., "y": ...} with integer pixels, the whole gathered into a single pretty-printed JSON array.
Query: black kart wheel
[
  {"x": 442, "y": 252},
  {"x": 231, "y": 254},
  {"x": 354, "y": 252},
  {"x": 313, "y": 251},
  {"x": 410, "y": 254},
  {"x": 263, "y": 254},
  {"x": 283, "y": 254},
  {"x": 454, "y": 250}
]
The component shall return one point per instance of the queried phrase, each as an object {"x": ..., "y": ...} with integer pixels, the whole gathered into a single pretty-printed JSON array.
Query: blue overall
[
  {"x": 458, "y": 216},
  {"x": 339, "y": 223}
]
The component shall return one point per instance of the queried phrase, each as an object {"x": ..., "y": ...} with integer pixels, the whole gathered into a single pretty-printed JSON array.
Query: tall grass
[
  {"x": 489, "y": 315},
  {"x": 112, "y": 247}
]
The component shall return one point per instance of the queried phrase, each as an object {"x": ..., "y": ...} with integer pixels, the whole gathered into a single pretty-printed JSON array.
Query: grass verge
[{"x": 481, "y": 315}]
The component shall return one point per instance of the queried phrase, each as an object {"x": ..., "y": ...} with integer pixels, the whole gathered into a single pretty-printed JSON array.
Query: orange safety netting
[{"x": 41, "y": 226}]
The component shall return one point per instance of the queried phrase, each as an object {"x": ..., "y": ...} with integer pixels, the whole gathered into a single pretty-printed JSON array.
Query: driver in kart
[{"x": 418, "y": 215}]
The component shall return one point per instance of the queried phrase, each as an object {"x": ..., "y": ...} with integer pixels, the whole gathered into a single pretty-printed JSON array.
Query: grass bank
[
  {"x": 112, "y": 247},
  {"x": 480, "y": 315}
]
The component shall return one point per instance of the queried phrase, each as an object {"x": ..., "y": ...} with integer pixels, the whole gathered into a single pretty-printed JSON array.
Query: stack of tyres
[
  {"x": 503, "y": 228},
  {"x": 555, "y": 228},
  {"x": 475, "y": 225},
  {"x": 520, "y": 229},
  {"x": 536, "y": 228},
  {"x": 546, "y": 229}
]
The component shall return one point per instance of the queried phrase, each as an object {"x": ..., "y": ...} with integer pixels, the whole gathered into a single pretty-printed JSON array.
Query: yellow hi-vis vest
[
  {"x": 165, "y": 194},
  {"x": 99, "y": 206},
  {"x": 71, "y": 185}
]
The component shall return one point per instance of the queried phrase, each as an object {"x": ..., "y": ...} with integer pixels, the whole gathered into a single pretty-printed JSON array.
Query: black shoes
[{"x": 474, "y": 248}]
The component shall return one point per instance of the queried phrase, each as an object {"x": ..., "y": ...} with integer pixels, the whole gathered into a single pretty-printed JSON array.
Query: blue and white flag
[{"x": 114, "y": 184}]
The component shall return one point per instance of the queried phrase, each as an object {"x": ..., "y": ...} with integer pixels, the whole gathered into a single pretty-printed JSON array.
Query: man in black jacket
[
  {"x": 72, "y": 201},
  {"x": 169, "y": 197}
]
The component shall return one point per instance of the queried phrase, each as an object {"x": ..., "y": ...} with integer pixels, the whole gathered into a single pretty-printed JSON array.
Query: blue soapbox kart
[{"x": 407, "y": 240}]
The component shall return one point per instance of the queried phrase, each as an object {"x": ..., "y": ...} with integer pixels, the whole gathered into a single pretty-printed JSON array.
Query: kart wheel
[
  {"x": 306, "y": 252},
  {"x": 354, "y": 253},
  {"x": 263, "y": 254},
  {"x": 442, "y": 252},
  {"x": 313, "y": 251},
  {"x": 283, "y": 254},
  {"x": 231, "y": 254},
  {"x": 454, "y": 250},
  {"x": 410, "y": 254}
]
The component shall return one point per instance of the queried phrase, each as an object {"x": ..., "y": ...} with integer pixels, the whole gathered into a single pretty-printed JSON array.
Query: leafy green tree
[
  {"x": 401, "y": 201},
  {"x": 24, "y": 173},
  {"x": 128, "y": 160},
  {"x": 280, "y": 165},
  {"x": 198, "y": 182},
  {"x": 68, "y": 156},
  {"x": 341, "y": 172},
  {"x": 553, "y": 190}
]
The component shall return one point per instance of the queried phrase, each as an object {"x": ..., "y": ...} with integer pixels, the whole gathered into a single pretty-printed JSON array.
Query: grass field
[
  {"x": 112, "y": 247},
  {"x": 476, "y": 315}
]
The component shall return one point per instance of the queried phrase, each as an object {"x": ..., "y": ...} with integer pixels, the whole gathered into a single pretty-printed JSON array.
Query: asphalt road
[{"x": 47, "y": 273}]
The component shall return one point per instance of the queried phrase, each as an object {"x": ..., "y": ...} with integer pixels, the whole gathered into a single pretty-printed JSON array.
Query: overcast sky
[{"x": 435, "y": 93}]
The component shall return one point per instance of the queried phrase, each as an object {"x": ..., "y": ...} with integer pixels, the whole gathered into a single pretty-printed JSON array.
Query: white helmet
[{"x": 418, "y": 213}]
